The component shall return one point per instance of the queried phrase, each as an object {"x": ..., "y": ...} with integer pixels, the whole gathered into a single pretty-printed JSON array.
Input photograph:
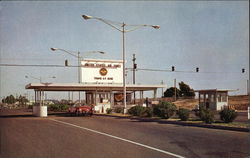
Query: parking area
[{"x": 23, "y": 135}]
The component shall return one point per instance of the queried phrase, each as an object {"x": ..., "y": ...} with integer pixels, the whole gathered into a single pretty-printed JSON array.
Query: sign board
[
  {"x": 119, "y": 97},
  {"x": 101, "y": 71}
]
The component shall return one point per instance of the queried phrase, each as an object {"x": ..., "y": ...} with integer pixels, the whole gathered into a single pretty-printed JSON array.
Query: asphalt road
[{"x": 24, "y": 136}]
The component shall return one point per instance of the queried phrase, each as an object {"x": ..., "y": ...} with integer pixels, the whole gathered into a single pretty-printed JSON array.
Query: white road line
[{"x": 119, "y": 138}]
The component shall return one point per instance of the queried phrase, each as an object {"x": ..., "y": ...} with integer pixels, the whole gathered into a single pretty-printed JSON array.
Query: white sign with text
[{"x": 101, "y": 71}]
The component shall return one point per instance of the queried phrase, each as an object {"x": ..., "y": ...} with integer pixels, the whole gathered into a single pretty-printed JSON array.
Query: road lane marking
[{"x": 119, "y": 138}]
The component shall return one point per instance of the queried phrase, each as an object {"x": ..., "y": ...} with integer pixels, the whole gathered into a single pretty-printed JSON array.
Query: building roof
[
  {"x": 89, "y": 87},
  {"x": 103, "y": 60},
  {"x": 215, "y": 90}
]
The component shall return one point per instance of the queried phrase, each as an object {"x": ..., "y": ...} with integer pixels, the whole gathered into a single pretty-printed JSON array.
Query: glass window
[
  {"x": 206, "y": 98},
  {"x": 224, "y": 97},
  {"x": 219, "y": 97},
  {"x": 212, "y": 98},
  {"x": 201, "y": 96}
]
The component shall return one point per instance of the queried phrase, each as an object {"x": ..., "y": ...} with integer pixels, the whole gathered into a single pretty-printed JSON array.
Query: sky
[{"x": 211, "y": 35}]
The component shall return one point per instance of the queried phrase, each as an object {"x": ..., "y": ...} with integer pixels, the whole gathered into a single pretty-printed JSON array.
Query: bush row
[
  {"x": 141, "y": 111},
  {"x": 166, "y": 110},
  {"x": 54, "y": 107},
  {"x": 226, "y": 115},
  {"x": 163, "y": 110},
  {"x": 58, "y": 107}
]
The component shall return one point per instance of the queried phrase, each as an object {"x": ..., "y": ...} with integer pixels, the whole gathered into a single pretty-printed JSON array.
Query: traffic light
[
  {"x": 135, "y": 66},
  {"x": 66, "y": 63},
  {"x": 197, "y": 69},
  {"x": 243, "y": 70},
  {"x": 173, "y": 68}
]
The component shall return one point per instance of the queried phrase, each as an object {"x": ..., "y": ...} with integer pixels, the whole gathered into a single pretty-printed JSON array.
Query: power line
[
  {"x": 165, "y": 70},
  {"x": 28, "y": 65},
  {"x": 28, "y": 59},
  {"x": 131, "y": 69}
]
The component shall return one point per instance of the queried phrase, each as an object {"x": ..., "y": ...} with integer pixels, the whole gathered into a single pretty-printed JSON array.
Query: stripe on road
[{"x": 119, "y": 138}]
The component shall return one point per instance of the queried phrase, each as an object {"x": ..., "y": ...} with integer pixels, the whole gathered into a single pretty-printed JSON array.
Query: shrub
[
  {"x": 228, "y": 115},
  {"x": 141, "y": 111},
  {"x": 54, "y": 107},
  {"x": 119, "y": 110},
  {"x": 198, "y": 111},
  {"x": 148, "y": 112},
  {"x": 164, "y": 110},
  {"x": 30, "y": 106},
  {"x": 207, "y": 116},
  {"x": 63, "y": 107},
  {"x": 136, "y": 110},
  {"x": 58, "y": 107},
  {"x": 183, "y": 114},
  {"x": 109, "y": 110}
]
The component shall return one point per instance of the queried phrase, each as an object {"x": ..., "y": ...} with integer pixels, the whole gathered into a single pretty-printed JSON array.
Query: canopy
[{"x": 89, "y": 87}]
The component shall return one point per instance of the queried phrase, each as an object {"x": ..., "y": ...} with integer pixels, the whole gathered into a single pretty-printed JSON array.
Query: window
[
  {"x": 219, "y": 97},
  {"x": 206, "y": 98},
  {"x": 224, "y": 97},
  {"x": 212, "y": 98}
]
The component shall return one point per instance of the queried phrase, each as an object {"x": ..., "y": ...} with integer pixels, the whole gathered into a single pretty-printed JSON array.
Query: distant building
[{"x": 214, "y": 99}]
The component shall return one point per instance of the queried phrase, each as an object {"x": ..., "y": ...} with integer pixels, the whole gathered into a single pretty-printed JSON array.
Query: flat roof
[
  {"x": 215, "y": 90},
  {"x": 90, "y": 87},
  {"x": 103, "y": 60}
]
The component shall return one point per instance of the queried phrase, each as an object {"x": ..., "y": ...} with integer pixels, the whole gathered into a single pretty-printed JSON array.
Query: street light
[
  {"x": 40, "y": 79},
  {"x": 79, "y": 61},
  {"x": 121, "y": 28}
]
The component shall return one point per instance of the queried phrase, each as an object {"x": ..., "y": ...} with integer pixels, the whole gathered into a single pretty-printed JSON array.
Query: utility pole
[
  {"x": 175, "y": 89},
  {"x": 134, "y": 68},
  {"x": 162, "y": 95},
  {"x": 248, "y": 92},
  {"x": 79, "y": 73}
]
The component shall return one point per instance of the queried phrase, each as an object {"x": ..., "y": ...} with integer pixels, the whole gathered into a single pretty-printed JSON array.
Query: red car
[{"x": 82, "y": 109}]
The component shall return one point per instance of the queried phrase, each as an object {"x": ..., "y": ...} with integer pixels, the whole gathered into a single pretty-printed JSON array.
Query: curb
[{"x": 202, "y": 125}]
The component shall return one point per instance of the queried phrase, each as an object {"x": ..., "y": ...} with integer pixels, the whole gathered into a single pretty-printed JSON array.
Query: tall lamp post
[
  {"x": 121, "y": 28},
  {"x": 40, "y": 78},
  {"x": 79, "y": 62}
]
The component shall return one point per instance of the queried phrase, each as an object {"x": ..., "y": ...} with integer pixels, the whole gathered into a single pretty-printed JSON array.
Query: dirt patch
[{"x": 238, "y": 102}]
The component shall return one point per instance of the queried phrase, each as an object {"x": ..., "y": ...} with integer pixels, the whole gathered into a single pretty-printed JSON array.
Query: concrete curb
[{"x": 182, "y": 123}]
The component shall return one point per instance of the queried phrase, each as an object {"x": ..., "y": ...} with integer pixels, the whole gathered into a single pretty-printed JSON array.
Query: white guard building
[{"x": 214, "y": 99}]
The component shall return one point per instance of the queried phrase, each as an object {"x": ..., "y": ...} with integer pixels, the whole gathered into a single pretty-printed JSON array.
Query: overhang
[
  {"x": 214, "y": 90},
  {"x": 89, "y": 87}
]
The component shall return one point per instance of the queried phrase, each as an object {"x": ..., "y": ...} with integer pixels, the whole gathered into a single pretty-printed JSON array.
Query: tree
[
  {"x": 170, "y": 92},
  {"x": 9, "y": 99},
  {"x": 185, "y": 90},
  {"x": 22, "y": 100}
]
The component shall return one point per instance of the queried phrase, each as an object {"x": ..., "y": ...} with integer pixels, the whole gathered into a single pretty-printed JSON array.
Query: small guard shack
[{"x": 214, "y": 99}]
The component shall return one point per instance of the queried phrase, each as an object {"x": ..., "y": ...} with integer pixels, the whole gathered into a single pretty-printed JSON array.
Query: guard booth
[
  {"x": 106, "y": 99},
  {"x": 214, "y": 99}
]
